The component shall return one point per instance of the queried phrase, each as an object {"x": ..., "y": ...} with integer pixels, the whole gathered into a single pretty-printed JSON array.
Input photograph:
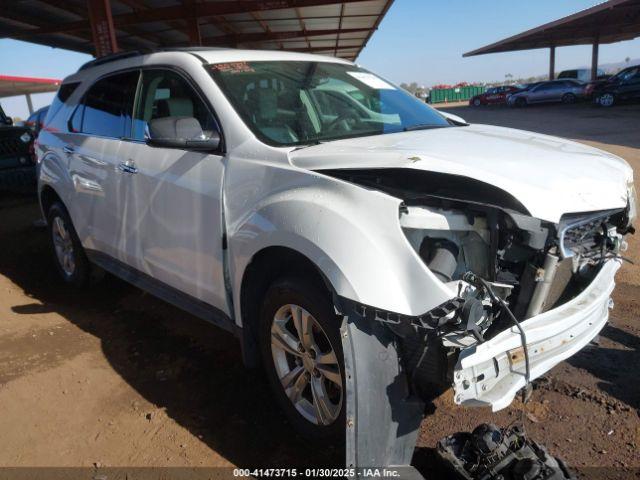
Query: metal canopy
[
  {"x": 608, "y": 22},
  {"x": 331, "y": 27},
  {"x": 11, "y": 86}
]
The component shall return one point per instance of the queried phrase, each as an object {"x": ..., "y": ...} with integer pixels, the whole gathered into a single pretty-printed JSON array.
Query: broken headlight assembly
[{"x": 504, "y": 267}]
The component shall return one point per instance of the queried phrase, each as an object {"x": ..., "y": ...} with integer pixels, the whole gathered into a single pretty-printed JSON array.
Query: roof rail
[
  {"x": 111, "y": 58},
  {"x": 135, "y": 53}
]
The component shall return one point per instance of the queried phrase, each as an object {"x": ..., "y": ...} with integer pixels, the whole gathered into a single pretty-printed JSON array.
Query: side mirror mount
[
  {"x": 455, "y": 119},
  {"x": 182, "y": 133}
]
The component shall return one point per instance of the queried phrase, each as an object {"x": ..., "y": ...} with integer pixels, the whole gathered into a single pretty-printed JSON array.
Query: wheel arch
[
  {"x": 48, "y": 196},
  {"x": 266, "y": 266}
]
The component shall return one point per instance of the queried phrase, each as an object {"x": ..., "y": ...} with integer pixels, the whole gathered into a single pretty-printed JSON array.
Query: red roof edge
[{"x": 48, "y": 81}]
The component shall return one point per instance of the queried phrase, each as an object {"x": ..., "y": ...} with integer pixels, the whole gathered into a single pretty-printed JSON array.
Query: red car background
[{"x": 493, "y": 96}]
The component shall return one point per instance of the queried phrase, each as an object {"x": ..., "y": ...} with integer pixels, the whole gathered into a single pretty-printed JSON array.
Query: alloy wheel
[
  {"x": 63, "y": 246},
  {"x": 306, "y": 364},
  {"x": 606, "y": 100}
]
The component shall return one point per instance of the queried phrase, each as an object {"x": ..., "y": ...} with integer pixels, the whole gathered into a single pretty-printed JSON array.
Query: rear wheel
[
  {"x": 476, "y": 102},
  {"x": 606, "y": 100},
  {"x": 68, "y": 254},
  {"x": 568, "y": 98},
  {"x": 302, "y": 355}
]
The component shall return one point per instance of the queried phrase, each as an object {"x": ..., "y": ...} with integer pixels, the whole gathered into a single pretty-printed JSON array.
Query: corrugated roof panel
[{"x": 145, "y": 23}]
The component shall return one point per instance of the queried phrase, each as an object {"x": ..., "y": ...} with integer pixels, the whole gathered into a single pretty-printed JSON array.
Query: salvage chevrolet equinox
[{"x": 367, "y": 250}]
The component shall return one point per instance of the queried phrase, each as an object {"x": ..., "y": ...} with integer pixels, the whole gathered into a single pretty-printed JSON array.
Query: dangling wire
[{"x": 472, "y": 278}]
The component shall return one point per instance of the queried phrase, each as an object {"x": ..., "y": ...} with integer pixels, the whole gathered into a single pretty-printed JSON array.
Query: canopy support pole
[
  {"x": 29, "y": 102},
  {"x": 594, "y": 59},
  {"x": 552, "y": 62},
  {"x": 104, "y": 34}
]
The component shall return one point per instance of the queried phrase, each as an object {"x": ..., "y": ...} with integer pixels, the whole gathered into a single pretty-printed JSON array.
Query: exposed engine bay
[{"x": 502, "y": 265}]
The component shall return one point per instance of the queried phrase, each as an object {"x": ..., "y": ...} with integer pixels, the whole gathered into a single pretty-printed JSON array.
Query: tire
[
  {"x": 68, "y": 255},
  {"x": 476, "y": 102},
  {"x": 521, "y": 102},
  {"x": 607, "y": 100},
  {"x": 568, "y": 98},
  {"x": 314, "y": 367}
]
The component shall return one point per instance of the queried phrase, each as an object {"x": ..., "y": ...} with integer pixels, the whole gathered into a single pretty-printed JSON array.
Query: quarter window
[
  {"x": 107, "y": 106},
  {"x": 64, "y": 92},
  {"x": 167, "y": 94}
]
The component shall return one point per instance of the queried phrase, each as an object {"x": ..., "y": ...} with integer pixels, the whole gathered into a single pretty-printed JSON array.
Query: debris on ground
[{"x": 491, "y": 453}]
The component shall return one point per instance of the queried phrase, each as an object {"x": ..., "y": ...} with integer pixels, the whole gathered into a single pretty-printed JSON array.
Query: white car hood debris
[{"x": 550, "y": 176}]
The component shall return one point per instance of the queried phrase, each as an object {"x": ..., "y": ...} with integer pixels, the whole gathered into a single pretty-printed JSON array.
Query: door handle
[
  {"x": 128, "y": 167},
  {"x": 68, "y": 149}
]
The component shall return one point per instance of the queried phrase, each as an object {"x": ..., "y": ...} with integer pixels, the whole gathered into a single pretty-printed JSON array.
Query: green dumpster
[{"x": 455, "y": 94}]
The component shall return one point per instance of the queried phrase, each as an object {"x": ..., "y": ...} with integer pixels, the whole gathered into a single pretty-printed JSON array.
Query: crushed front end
[{"x": 526, "y": 293}]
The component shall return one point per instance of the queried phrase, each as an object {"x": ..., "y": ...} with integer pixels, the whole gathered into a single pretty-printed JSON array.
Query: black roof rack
[
  {"x": 135, "y": 53},
  {"x": 111, "y": 58}
]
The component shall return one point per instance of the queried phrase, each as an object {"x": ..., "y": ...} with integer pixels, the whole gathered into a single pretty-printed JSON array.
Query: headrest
[
  {"x": 265, "y": 103},
  {"x": 175, "y": 107}
]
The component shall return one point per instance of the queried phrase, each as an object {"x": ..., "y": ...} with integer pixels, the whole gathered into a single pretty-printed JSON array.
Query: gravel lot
[{"x": 113, "y": 377}]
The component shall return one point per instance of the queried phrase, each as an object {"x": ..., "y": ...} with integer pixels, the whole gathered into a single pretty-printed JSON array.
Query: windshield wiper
[{"x": 422, "y": 126}]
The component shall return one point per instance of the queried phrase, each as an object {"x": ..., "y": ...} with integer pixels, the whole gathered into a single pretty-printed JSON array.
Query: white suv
[{"x": 367, "y": 249}]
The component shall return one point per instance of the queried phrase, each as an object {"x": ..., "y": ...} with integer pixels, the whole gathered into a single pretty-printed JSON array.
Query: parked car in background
[
  {"x": 17, "y": 161},
  {"x": 565, "y": 91},
  {"x": 623, "y": 86},
  {"x": 36, "y": 120},
  {"x": 494, "y": 95},
  {"x": 582, "y": 74}
]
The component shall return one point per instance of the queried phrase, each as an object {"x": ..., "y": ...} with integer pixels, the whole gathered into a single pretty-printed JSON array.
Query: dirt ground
[{"x": 113, "y": 377}]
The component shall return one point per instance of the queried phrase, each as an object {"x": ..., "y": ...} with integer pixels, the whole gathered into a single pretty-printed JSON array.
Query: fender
[{"x": 361, "y": 251}]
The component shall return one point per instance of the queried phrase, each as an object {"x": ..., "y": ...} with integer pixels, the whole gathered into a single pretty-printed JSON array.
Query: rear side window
[
  {"x": 107, "y": 107},
  {"x": 568, "y": 74}
]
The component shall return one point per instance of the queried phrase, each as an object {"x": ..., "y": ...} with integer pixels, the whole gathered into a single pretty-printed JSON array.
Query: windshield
[
  {"x": 296, "y": 103},
  {"x": 624, "y": 75}
]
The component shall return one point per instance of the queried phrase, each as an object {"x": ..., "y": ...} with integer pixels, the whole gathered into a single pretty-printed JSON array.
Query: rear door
[
  {"x": 554, "y": 94},
  {"x": 171, "y": 201},
  {"x": 96, "y": 128},
  {"x": 538, "y": 93}
]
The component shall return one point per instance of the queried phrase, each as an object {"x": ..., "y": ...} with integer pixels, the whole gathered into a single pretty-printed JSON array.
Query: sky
[{"x": 418, "y": 40}]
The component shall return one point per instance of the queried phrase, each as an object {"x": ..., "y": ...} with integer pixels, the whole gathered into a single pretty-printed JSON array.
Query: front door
[{"x": 171, "y": 227}]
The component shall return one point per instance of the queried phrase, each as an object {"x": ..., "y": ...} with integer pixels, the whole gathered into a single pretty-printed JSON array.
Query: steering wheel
[{"x": 344, "y": 117}]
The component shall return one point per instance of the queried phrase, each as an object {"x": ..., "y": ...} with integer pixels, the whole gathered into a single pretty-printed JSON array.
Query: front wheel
[
  {"x": 606, "y": 100},
  {"x": 521, "y": 102},
  {"x": 568, "y": 98},
  {"x": 476, "y": 102},
  {"x": 302, "y": 355}
]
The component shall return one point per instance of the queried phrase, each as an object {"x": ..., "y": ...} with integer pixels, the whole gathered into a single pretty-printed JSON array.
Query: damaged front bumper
[{"x": 491, "y": 373}]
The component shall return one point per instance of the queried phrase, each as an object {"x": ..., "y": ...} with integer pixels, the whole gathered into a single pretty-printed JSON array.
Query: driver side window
[{"x": 164, "y": 94}]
